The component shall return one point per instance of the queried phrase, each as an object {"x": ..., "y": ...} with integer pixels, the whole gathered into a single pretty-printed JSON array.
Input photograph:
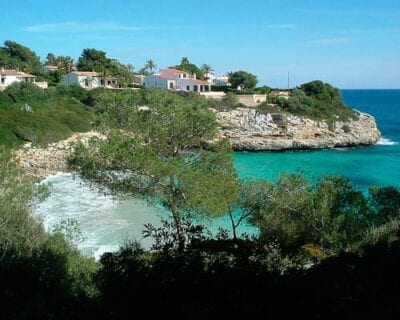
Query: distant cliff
[{"x": 248, "y": 129}]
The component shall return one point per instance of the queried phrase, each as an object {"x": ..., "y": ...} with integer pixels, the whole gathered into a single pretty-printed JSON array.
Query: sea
[{"x": 106, "y": 223}]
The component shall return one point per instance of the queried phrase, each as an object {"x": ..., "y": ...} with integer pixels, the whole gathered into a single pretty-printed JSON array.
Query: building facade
[
  {"x": 8, "y": 76},
  {"x": 86, "y": 79},
  {"x": 174, "y": 79}
]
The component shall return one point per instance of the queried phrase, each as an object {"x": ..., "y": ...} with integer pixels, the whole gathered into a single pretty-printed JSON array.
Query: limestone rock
[{"x": 250, "y": 130}]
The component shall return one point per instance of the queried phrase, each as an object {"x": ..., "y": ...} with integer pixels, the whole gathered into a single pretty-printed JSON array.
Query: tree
[
  {"x": 150, "y": 66},
  {"x": 16, "y": 56},
  {"x": 159, "y": 153},
  {"x": 51, "y": 59},
  {"x": 243, "y": 80},
  {"x": 186, "y": 65},
  {"x": 64, "y": 64},
  {"x": 330, "y": 214},
  {"x": 206, "y": 69},
  {"x": 93, "y": 60}
]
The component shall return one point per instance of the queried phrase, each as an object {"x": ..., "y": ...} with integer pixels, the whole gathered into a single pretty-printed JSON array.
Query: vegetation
[
  {"x": 323, "y": 234},
  {"x": 97, "y": 60},
  {"x": 324, "y": 248},
  {"x": 162, "y": 153},
  {"x": 243, "y": 80},
  {"x": 42, "y": 275},
  {"x": 64, "y": 63},
  {"x": 16, "y": 56},
  {"x": 318, "y": 100},
  {"x": 28, "y": 113},
  {"x": 186, "y": 65}
]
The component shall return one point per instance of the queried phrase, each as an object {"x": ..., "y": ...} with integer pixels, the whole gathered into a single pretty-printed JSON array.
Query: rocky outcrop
[
  {"x": 250, "y": 130},
  {"x": 42, "y": 162}
]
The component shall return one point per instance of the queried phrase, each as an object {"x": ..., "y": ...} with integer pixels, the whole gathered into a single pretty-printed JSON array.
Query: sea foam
[{"x": 386, "y": 142}]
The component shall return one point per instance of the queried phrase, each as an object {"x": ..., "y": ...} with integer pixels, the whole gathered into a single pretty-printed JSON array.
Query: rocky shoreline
[
  {"x": 249, "y": 130},
  {"x": 42, "y": 162}
]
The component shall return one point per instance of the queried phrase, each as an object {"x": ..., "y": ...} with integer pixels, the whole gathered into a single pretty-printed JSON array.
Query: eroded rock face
[
  {"x": 42, "y": 162},
  {"x": 250, "y": 130}
]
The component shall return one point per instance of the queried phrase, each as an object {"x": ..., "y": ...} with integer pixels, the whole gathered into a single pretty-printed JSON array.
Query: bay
[{"x": 106, "y": 223}]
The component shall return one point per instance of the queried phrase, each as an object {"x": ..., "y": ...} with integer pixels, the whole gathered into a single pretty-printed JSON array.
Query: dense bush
[
  {"x": 319, "y": 101},
  {"x": 29, "y": 113},
  {"x": 41, "y": 274}
]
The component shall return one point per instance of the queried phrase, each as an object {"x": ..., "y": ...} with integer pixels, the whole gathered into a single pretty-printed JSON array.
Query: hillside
[{"x": 31, "y": 114}]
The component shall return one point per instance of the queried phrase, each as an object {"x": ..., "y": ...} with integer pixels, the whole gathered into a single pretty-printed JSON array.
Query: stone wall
[{"x": 252, "y": 100}]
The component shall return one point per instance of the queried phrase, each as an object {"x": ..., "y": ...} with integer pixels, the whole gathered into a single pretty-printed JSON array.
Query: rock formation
[
  {"x": 42, "y": 162},
  {"x": 247, "y": 129}
]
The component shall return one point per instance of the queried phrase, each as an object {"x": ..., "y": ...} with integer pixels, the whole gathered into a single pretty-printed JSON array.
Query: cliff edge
[{"x": 250, "y": 130}]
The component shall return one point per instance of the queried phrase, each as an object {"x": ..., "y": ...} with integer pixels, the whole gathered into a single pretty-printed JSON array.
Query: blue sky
[{"x": 351, "y": 44}]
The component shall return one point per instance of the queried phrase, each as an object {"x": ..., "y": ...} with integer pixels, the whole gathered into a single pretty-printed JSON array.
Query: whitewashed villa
[
  {"x": 89, "y": 80},
  {"x": 9, "y": 76},
  {"x": 174, "y": 79}
]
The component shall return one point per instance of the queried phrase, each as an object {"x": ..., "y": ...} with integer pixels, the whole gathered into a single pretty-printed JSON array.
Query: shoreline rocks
[
  {"x": 249, "y": 130},
  {"x": 44, "y": 161}
]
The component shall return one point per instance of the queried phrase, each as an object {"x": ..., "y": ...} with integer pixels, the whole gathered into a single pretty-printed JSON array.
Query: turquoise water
[
  {"x": 364, "y": 166},
  {"x": 105, "y": 222}
]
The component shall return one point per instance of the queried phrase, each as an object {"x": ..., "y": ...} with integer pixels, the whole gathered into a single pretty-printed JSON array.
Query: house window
[
  {"x": 3, "y": 80},
  {"x": 184, "y": 76},
  {"x": 188, "y": 88},
  {"x": 171, "y": 85},
  {"x": 86, "y": 83}
]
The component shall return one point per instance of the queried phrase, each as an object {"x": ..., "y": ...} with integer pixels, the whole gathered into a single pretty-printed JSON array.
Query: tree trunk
[
  {"x": 233, "y": 225},
  {"x": 178, "y": 227}
]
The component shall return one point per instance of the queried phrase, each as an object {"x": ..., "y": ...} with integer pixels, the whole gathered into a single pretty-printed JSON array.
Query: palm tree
[
  {"x": 150, "y": 65},
  {"x": 206, "y": 69},
  {"x": 130, "y": 67}
]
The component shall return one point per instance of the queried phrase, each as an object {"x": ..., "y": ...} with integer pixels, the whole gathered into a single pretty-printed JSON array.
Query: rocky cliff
[{"x": 247, "y": 129}]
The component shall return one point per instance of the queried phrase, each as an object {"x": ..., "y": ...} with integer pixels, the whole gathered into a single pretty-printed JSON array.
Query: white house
[
  {"x": 174, "y": 79},
  {"x": 8, "y": 77},
  {"x": 89, "y": 80},
  {"x": 86, "y": 79}
]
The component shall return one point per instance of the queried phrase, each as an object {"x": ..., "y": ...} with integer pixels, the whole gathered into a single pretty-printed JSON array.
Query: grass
[{"x": 31, "y": 114}]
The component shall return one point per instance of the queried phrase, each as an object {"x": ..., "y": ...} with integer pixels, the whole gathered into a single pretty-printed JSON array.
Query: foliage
[
  {"x": 330, "y": 214},
  {"x": 159, "y": 153},
  {"x": 242, "y": 79},
  {"x": 229, "y": 102},
  {"x": 54, "y": 114},
  {"x": 318, "y": 100},
  {"x": 64, "y": 63},
  {"x": 39, "y": 272},
  {"x": 16, "y": 56},
  {"x": 186, "y": 65},
  {"x": 206, "y": 69},
  {"x": 150, "y": 66},
  {"x": 97, "y": 60}
]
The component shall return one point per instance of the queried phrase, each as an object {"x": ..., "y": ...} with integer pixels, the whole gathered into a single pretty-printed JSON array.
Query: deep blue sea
[
  {"x": 105, "y": 222},
  {"x": 364, "y": 166}
]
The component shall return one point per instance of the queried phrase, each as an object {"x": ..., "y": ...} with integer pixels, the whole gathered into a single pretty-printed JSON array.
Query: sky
[{"x": 350, "y": 44}]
